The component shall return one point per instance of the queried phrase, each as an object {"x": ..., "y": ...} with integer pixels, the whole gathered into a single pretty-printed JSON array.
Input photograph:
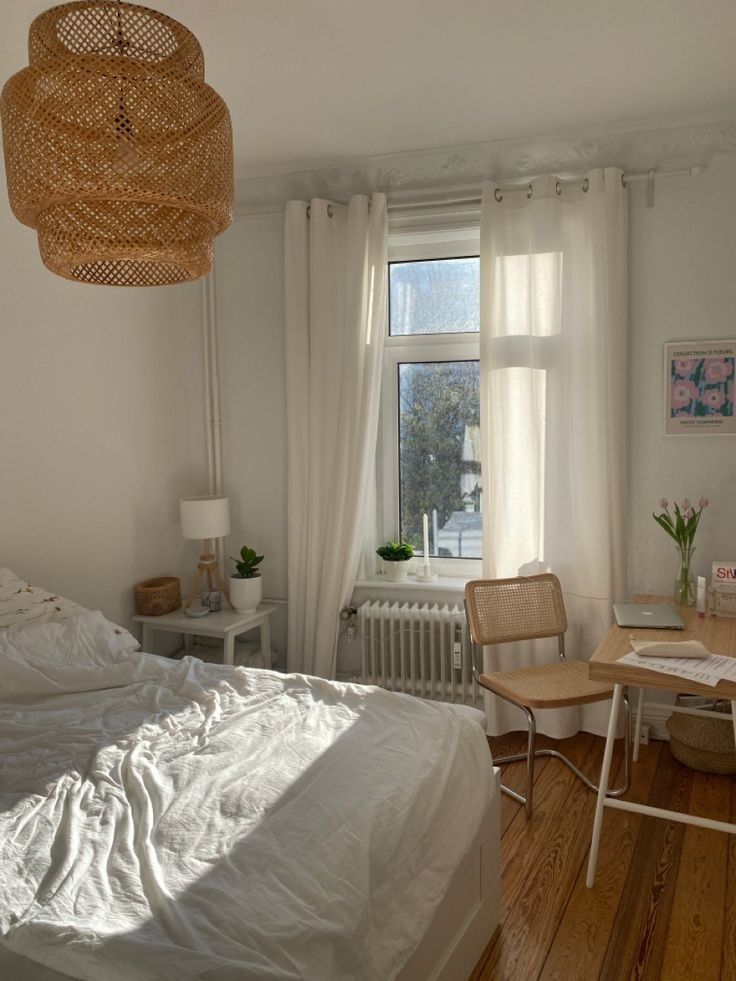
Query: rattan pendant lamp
[{"x": 116, "y": 150}]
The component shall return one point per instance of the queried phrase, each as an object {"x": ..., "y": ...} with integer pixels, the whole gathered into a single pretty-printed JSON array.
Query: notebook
[{"x": 656, "y": 616}]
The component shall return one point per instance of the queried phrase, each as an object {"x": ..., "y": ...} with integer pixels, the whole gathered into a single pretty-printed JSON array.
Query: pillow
[{"x": 21, "y": 603}]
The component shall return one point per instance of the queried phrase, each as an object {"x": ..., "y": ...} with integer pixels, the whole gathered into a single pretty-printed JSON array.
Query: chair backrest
[{"x": 523, "y": 608}]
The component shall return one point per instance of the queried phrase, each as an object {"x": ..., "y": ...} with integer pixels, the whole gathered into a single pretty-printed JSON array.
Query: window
[{"x": 430, "y": 432}]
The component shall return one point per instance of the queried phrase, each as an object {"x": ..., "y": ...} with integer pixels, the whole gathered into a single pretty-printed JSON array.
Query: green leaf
[
  {"x": 661, "y": 520},
  {"x": 246, "y": 566},
  {"x": 395, "y": 551}
]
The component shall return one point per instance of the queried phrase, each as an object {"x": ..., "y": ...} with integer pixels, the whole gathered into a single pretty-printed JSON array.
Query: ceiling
[{"x": 310, "y": 82}]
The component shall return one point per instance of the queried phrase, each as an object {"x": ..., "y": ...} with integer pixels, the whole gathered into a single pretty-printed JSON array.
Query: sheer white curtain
[
  {"x": 554, "y": 409},
  {"x": 335, "y": 271}
]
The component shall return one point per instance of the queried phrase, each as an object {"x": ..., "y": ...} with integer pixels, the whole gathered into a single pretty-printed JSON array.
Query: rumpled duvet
[{"x": 175, "y": 819}]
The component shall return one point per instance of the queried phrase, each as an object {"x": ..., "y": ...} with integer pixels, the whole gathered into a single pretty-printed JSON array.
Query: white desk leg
[
  {"x": 146, "y": 639},
  {"x": 188, "y": 641},
  {"x": 603, "y": 785},
  {"x": 637, "y": 730},
  {"x": 266, "y": 643},
  {"x": 229, "y": 648}
]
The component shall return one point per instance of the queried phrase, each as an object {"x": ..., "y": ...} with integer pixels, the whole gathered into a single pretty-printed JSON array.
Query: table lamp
[{"x": 205, "y": 518}]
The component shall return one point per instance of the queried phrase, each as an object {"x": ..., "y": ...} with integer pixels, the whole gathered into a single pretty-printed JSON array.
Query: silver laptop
[{"x": 657, "y": 616}]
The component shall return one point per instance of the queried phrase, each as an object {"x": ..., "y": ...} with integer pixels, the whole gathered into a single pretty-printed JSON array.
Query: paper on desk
[
  {"x": 669, "y": 648},
  {"x": 705, "y": 671}
]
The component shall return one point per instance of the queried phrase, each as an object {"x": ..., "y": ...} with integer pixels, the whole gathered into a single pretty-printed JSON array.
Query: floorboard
[
  {"x": 728, "y": 947},
  {"x": 698, "y": 911},
  {"x": 582, "y": 938},
  {"x": 664, "y": 903}
]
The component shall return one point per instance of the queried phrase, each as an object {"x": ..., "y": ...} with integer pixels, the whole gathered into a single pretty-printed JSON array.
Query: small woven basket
[
  {"x": 155, "y": 597},
  {"x": 703, "y": 743}
]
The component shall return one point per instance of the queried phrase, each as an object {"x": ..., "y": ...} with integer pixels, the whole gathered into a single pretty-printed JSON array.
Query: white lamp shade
[{"x": 205, "y": 517}]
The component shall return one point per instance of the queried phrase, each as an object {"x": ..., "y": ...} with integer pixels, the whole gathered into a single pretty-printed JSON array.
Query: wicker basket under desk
[{"x": 704, "y": 743}]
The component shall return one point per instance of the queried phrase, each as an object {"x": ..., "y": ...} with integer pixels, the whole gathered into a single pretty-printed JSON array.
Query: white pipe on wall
[
  {"x": 216, "y": 413},
  {"x": 213, "y": 415},
  {"x": 206, "y": 295}
]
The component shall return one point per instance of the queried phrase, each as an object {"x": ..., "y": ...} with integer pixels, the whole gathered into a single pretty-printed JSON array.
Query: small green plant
[
  {"x": 395, "y": 551},
  {"x": 247, "y": 563}
]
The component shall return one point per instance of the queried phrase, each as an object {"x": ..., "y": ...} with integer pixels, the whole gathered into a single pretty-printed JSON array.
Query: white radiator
[{"x": 419, "y": 649}]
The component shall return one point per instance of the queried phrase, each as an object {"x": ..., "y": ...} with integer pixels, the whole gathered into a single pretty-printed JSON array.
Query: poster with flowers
[{"x": 698, "y": 385}]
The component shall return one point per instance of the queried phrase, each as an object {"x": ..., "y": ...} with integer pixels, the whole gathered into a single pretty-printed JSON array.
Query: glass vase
[{"x": 684, "y": 591}]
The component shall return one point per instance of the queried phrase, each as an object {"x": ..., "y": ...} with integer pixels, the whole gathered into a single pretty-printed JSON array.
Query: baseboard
[{"x": 655, "y": 716}]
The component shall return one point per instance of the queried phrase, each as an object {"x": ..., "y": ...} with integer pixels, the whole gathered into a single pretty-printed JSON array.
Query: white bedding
[{"x": 173, "y": 819}]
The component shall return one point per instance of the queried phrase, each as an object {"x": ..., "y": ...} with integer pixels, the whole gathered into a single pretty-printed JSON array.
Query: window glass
[
  {"x": 436, "y": 296},
  {"x": 439, "y": 456}
]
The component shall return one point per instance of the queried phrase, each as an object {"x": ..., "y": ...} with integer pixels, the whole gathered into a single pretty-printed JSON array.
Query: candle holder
[{"x": 426, "y": 575}]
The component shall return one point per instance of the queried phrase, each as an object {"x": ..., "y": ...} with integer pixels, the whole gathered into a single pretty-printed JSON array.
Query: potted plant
[
  {"x": 396, "y": 557},
  {"x": 246, "y": 587}
]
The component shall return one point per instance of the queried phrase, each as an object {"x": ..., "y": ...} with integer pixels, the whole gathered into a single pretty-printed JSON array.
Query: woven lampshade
[{"x": 116, "y": 150}]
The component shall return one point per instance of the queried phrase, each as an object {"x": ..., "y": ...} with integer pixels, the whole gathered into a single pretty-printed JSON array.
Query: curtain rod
[{"x": 475, "y": 198}]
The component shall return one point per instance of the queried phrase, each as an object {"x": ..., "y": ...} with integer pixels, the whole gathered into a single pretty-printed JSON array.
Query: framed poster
[{"x": 698, "y": 387}]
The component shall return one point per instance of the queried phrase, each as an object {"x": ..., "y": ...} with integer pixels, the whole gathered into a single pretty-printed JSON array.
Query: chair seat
[{"x": 548, "y": 685}]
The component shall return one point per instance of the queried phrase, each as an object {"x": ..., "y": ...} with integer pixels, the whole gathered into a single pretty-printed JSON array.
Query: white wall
[
  {"x": 101, "y": 427},
  {"x": 250, "y": 322},
  {"x": 682, "y": 287}
]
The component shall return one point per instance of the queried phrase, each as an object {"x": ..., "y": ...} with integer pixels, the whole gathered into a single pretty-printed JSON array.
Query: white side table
[{"x": 225, "y": 624}]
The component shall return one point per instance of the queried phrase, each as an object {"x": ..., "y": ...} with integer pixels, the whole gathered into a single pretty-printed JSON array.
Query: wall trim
[{"x": 664, "y": 145}]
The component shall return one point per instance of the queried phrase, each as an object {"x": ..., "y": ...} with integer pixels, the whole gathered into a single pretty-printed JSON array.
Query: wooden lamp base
[{"x": 207, "y": 566}]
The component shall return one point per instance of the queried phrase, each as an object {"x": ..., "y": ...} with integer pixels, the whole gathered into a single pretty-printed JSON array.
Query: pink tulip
[
  {"x": 703, "y": 503},
  {"x": 664, "y": 503},
  {"x": 686, "y": 504},
  {"x": 687, "y": 514}
]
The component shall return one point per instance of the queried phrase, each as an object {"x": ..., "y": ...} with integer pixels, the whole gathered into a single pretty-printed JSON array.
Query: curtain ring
[
  {"x": 558, "y": 188},
  {"x": 309, "y": 211},
  {"x": 529, "y": 190},
  {"x": 498, "y": 195},
  {"x": 586, "y": 185}
]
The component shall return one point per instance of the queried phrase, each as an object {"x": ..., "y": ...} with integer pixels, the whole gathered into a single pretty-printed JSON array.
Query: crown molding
[{"x": 399, "y": 174}]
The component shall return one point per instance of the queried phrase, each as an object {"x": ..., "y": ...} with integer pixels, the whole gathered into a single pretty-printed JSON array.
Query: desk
[
  {"x": 225, "y": 624},
  {"x": 719, "y": 636}
]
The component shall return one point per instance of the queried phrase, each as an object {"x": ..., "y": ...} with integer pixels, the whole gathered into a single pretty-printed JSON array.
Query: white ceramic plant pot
[
  {"x": 245, "y": 594},
  {"x": 396, "y": 571}
]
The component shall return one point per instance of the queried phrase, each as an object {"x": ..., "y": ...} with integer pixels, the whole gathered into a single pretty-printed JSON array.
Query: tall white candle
[{"x": 425, "y": 524}]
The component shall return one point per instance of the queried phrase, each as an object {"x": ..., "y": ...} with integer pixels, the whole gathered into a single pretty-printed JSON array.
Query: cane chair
[{"x": 499, "y": 611}]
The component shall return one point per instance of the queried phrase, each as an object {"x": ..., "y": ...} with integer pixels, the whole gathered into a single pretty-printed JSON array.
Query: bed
[{"x": 176, "y": 819}]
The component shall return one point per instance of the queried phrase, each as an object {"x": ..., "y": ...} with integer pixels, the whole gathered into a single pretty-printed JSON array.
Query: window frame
[{"x": 419, "y": 348}]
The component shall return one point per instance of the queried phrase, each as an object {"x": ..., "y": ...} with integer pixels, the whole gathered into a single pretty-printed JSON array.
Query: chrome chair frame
[{"x": 532, "y": 752}]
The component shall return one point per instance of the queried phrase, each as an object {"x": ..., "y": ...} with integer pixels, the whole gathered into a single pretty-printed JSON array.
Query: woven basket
[
  {"x": 154, "y": 597},
  {"x": 703, "y": 743}
]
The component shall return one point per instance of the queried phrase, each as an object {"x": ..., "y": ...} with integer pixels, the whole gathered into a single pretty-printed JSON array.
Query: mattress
[{"x": 175, "y": 819}]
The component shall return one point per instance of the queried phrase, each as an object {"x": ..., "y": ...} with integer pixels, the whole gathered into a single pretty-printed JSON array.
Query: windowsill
[{"x": 443, "y": 584}]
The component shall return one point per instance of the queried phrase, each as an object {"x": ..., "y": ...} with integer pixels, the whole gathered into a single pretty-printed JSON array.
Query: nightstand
[{"x": 225, "y": 624}]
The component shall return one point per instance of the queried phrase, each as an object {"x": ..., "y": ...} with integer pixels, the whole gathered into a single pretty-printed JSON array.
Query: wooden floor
[{"x": 664, "y": 902}]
